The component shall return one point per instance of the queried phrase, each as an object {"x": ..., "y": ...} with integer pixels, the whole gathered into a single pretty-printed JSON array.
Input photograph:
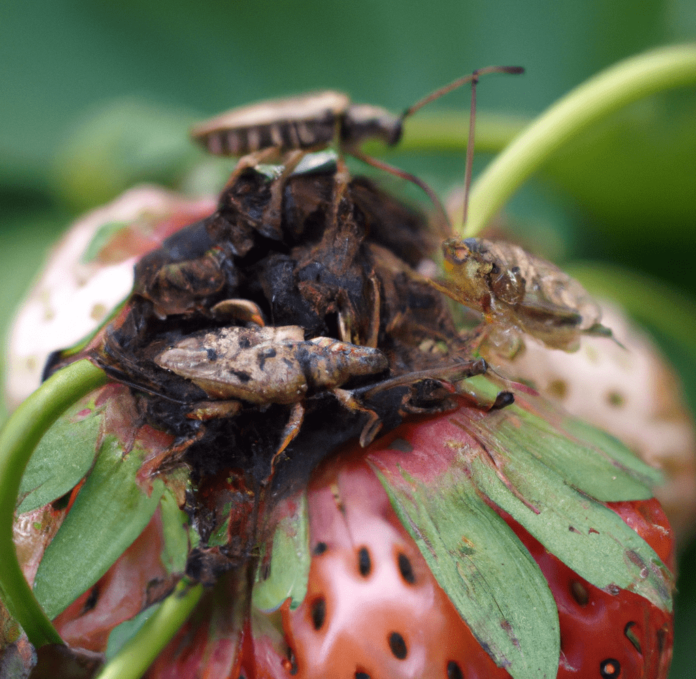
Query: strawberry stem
[
  {"x": 447, "y": 132},
  {"x": 132, "y": 661},
  {"x": 18, "y": 439},
  {"x": 629, "y": 80}
]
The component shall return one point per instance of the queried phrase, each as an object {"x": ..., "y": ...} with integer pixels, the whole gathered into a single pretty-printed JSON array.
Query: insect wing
[{"x": 292, "y": 123}]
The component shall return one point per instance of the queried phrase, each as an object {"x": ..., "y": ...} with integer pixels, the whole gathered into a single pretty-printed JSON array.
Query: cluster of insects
[{"x": 302, "y": 291}]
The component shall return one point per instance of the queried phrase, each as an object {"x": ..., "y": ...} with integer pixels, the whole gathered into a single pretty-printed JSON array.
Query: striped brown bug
[{"x": 291, "y": 127}]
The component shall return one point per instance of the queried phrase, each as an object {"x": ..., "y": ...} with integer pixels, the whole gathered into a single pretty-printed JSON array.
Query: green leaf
[
  {"x": 290, "y": 561},
  {"x": 544, "y": 465},
  {"x": 64, "y": 455},
  {"x": 584, "y": 534},
  {"x": 583, "y": 456},
  {"x": 612, "y": 447},
  {"x": 175, "y": 525},
  {"x": 110, "y": 511},
  {"x": 485, "y": 570},
  {"x": 127, "y": 630}
]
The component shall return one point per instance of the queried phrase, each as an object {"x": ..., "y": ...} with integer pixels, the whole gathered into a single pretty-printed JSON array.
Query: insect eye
[{"x": 610, "y": 669}]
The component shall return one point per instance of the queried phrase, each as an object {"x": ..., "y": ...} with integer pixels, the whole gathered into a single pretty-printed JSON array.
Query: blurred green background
[{"x": 95, "y": 97}]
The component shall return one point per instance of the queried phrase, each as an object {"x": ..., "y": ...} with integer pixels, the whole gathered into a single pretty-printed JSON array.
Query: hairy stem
[
  {"x": 629, "y": 80},
  {"x": 19, "y": 437}
]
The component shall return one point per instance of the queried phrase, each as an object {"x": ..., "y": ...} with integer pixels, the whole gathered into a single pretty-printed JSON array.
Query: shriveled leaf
[
  {"x": 476, "y": 558},
  {"x": 64, "y": 455},
  {"x": 290, "y": 561}
]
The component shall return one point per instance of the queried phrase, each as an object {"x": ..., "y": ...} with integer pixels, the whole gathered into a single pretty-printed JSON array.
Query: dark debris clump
[{"x": 263, "y": 340}]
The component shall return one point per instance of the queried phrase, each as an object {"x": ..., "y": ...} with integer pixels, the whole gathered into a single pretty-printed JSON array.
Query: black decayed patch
[{"x": 326, "y": 263}]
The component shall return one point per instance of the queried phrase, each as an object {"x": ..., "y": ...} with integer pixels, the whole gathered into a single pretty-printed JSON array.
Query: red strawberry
[{"x": 373, "y": 608}]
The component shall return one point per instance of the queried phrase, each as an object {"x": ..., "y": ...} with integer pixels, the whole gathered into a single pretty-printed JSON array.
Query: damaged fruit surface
[{"x": 294, "y": 421}]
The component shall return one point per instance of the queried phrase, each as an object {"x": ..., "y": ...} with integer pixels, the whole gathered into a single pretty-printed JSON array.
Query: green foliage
[
  {"x": 96, "y": 97},
  {"x": 64, "y": 455},
  {"x": 111, "y": 511},
  {"x": 290, "y": 560},
  {"x": 485, "y": 570}
]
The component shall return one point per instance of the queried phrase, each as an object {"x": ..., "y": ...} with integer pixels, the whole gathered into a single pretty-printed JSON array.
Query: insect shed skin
[{"x": 269, "y": 364}]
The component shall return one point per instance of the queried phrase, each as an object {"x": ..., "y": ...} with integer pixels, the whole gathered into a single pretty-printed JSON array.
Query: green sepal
[
  {"x": 584, "y": 534},
  {"x": 127, "y": 630},
  {"x": 175, "y": 531},
  {"x": 487, "y": 573},
  {"x": 290, "y": 561},
  {"x": 110, "y": 511},
  {"x": 64, "y": 455},
  {"x": 582, "y": 455}
]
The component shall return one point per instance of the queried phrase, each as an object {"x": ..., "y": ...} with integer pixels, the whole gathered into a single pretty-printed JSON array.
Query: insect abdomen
[{"x": 284, "y": 135}]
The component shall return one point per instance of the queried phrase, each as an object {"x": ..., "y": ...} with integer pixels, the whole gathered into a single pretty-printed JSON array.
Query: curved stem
[
  {"x": 132, "y": 661},
  {"x": 19, "y": 437},
  {"x": 447, "y": 132},
  {"x": 627, "y": 81}
]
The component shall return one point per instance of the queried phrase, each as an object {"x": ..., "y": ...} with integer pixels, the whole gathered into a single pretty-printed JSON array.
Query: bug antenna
[
  {"x": 443, "y": 220},
  {"x": 513, "y": 70},
  {"x": 472, "y": 78},
  {"x": 470, "y": 148}
]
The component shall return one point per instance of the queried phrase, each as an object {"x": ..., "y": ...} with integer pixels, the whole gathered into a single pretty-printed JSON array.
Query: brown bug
[
  {"x": 289, "y": 128},
  {"x": 514, "y": 289},
  {"x": 261, "y": 365}
]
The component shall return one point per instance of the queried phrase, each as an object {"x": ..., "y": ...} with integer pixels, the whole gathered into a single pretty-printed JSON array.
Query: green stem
[
  {"x": 448, "y": 132},
  {"x": 629, "y": 80},
  {"x": 19, "y": 437},
  {"x": 132, "y": 661}
]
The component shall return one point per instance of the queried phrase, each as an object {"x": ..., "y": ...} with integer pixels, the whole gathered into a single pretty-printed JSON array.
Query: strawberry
[
  {"x": 373, "y": 608},
  {"x": 485, "y": 534}
]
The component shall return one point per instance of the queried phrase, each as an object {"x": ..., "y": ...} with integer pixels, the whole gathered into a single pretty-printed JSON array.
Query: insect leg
[
  {"x": 272, "y": 213},
  {"x": 443, "y": 222},
  {"x": 450, "y": 373},
  {"x": 251, "y": 160},
  {"x": 290, "y": 431},
  {"x": 373, "y": 424},
  {"x": 373, "y": 333}
]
